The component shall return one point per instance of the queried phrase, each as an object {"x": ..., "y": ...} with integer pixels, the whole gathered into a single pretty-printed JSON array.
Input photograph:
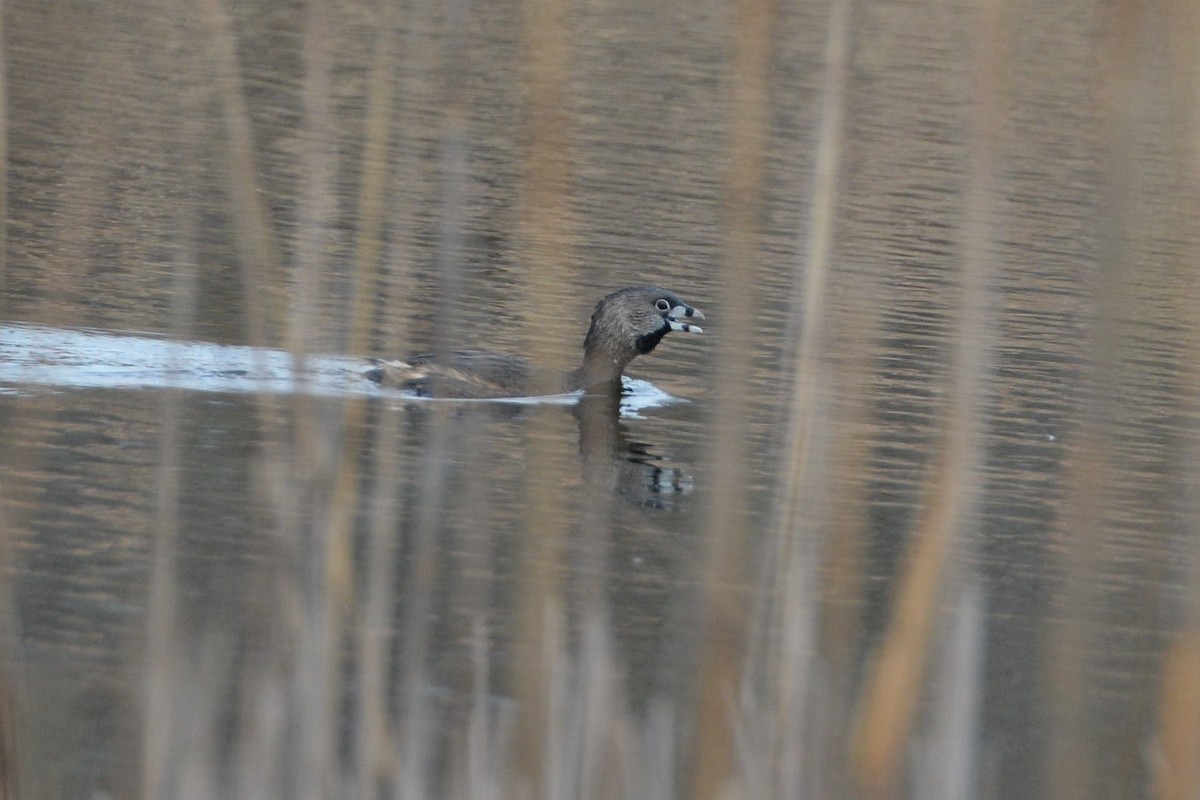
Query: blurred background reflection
[{"x": 916, "y": 516}]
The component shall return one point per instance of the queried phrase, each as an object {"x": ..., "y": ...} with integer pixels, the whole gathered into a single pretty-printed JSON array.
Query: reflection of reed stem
[
  {"x": 3, "y": 180},
  {"x": 726, "y": 529},
  {"x": 258, "y": 250},
  {"x": 545, "y": 241},
  {"x": 164, "y": 650},
  {"x": 1175, "y": 759},
  {"x": 1075, "y": 614},
  {"x": 889, "y": 706},
  {"x": 328, "y": 486},
  {"x": 779, "y": 656},
  {"x": 12, "y": 768},
  {"x": 374, "y": 177}
]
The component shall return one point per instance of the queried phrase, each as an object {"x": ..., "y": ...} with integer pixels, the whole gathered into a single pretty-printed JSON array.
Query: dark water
[{"x": 302, "y": 512}]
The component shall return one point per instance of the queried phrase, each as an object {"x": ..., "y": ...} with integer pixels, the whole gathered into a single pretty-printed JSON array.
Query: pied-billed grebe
[{"x": 626, "y": 324}]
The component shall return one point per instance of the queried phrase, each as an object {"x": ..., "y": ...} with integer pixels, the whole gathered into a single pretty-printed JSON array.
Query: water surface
[{"x": 232, "y": 564}]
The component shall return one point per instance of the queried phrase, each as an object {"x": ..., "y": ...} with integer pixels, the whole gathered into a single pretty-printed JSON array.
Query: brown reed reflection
[
  {"x": 727, "y": 539},
  {"x": 545, "y": 233},
  {"x": 887, "y": 715},
  {"x": 1175, "y": 762}
]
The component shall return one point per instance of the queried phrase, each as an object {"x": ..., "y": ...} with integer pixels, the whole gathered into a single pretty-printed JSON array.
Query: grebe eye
[{"x": 662, "y": 304}]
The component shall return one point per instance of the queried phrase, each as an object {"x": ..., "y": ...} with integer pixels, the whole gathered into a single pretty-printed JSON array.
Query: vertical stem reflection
[
  {"x": 726, "y": 529},
  {"x": 545, "y": 235},
  {"x": 897, "y": 672}
]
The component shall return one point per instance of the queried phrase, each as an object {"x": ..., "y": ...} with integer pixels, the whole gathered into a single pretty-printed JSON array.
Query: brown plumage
[{"x": 627, "y": 323}]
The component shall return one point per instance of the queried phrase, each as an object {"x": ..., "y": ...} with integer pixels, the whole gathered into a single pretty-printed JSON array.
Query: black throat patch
[{"x": 648, "y": 341}]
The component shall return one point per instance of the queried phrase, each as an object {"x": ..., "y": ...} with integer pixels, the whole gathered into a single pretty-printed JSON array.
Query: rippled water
[{"x": 233, "y": 567}]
